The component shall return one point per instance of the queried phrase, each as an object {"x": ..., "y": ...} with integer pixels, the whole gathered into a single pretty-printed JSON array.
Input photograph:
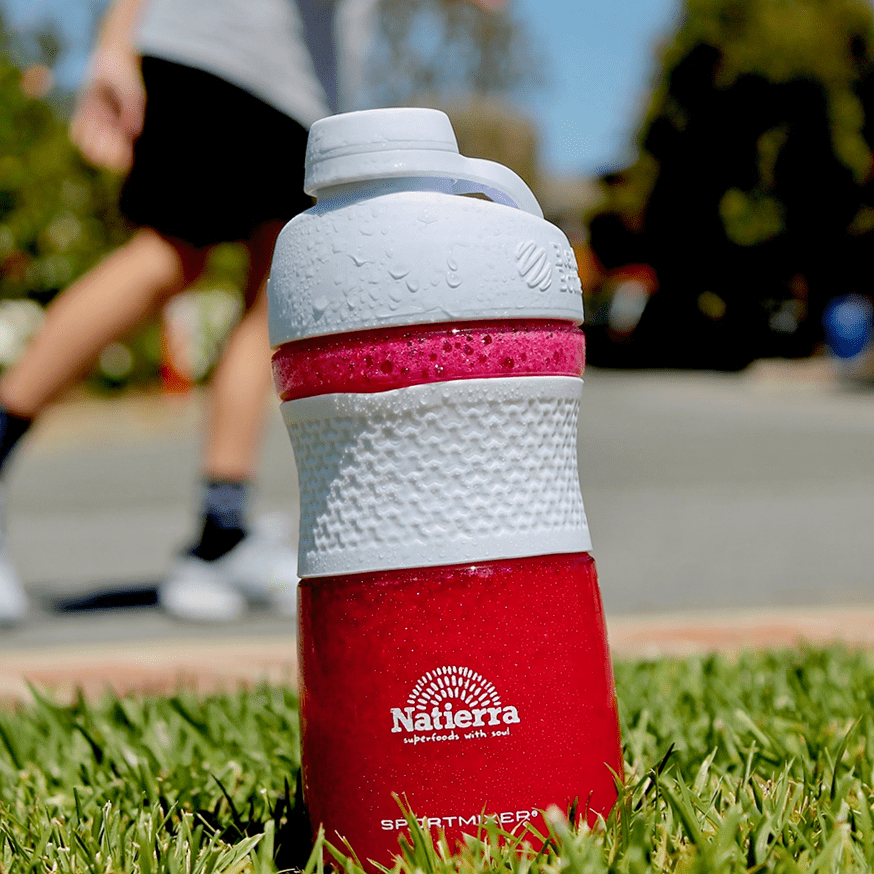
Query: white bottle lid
[{"x": 404, "y": 143}]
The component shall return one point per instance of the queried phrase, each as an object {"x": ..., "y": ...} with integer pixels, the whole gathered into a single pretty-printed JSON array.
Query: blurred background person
[{"x": 205, "y": 105}]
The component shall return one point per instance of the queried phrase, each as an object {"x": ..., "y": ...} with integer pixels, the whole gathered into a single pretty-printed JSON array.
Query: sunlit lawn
[{"x": 762, "y": 763}]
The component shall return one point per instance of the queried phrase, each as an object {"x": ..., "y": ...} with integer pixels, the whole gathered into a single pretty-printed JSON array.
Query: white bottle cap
[{"x": 404, "y": 143}]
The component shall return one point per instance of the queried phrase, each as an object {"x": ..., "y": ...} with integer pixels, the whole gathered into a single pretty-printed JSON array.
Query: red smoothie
[
  {"x": 386, "y": 358},
  {"x": 468, "y": 690}
]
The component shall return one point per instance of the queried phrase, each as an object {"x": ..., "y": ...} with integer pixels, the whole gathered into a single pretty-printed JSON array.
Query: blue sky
[{"x": 599, "y": 66}]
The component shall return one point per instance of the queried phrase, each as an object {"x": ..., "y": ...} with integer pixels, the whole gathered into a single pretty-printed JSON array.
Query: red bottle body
[
  {"x": 464, "y": 690},
  {"x": 467, "y": 690}
]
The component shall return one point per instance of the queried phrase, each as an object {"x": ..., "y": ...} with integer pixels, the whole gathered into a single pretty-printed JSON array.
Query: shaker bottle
[{"x": 453, "y": 654}]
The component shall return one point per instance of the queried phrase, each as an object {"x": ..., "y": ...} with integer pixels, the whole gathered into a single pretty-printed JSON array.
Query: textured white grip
[{"x": 446, "y": 473}]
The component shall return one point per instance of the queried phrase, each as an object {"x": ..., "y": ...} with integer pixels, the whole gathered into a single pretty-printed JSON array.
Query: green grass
[{"x": 762, "y": 763}]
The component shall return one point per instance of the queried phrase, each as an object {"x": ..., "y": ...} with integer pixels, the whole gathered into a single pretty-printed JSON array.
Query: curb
[
  {"x": 224, "y": 664},
  {"x": 733, "y": 631},
  {"x": 148, "y": 667}
]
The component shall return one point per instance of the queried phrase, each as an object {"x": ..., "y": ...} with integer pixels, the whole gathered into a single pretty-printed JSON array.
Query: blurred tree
[
  {"x": 57, "y": 215},
  {"x": 469, "y": 59},
  {"x": 752, "y": 197},
  {"x": 450, "y": 47}
]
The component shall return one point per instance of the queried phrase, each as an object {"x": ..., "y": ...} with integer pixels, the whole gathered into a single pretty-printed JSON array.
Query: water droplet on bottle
[
  {"x": 413, "y": 285},
  {"x": 453, "y": 280},
  {"x": 320, "y": 304}
]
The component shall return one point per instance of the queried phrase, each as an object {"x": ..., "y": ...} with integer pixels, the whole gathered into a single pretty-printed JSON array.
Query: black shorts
[{"x": 212, "y": 162}]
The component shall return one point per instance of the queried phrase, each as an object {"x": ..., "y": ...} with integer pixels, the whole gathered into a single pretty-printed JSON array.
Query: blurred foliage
[
  {"x": 442, "y": 47},
  {"x": 468, "y": 61},
  {"x": 754, "y": 181},
  {"x": 57, "y": 215},
  {"x": 761, "y": 53}
]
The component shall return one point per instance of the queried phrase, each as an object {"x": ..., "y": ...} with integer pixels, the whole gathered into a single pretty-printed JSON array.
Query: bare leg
[
  {"x": 242, "y": 378},
  {"x": 103, "y": 305},
  {"x": 226, "y": 569}
]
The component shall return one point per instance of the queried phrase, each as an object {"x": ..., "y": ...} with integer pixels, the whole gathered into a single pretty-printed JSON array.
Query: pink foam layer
[{"x": 383, "y": 359}]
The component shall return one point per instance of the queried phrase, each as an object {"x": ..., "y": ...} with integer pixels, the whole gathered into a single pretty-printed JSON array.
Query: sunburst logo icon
[
  {"x": 453, "y": 697},
  {"x": 470, "y": 688}
]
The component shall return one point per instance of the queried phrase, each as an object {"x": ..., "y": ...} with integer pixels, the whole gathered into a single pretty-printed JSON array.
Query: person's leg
[
  {"x": 242, "y": 379},
  {"x": 103, "y": 305},
  {"x": 236, "y": 410},
  {"x": 234, "y": 425},
  {"x": 226, "y": 567}
]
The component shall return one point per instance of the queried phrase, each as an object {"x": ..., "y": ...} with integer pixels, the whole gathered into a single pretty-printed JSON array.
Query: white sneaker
[
  {"x": 261, "y": 570},
  {"x": 13, "y": 601}
]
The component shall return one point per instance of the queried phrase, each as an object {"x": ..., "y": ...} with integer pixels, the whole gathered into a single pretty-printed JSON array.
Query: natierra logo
[{"x": 449, "y": 699}]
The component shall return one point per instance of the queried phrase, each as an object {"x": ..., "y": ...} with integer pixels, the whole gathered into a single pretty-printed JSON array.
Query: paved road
[
  {"x": 703, "y": 491},
  {"x": 711, "y": 491}
]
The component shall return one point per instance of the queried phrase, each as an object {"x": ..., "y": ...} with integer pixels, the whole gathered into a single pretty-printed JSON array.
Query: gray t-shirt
[{"x": 282, "y": 51}]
